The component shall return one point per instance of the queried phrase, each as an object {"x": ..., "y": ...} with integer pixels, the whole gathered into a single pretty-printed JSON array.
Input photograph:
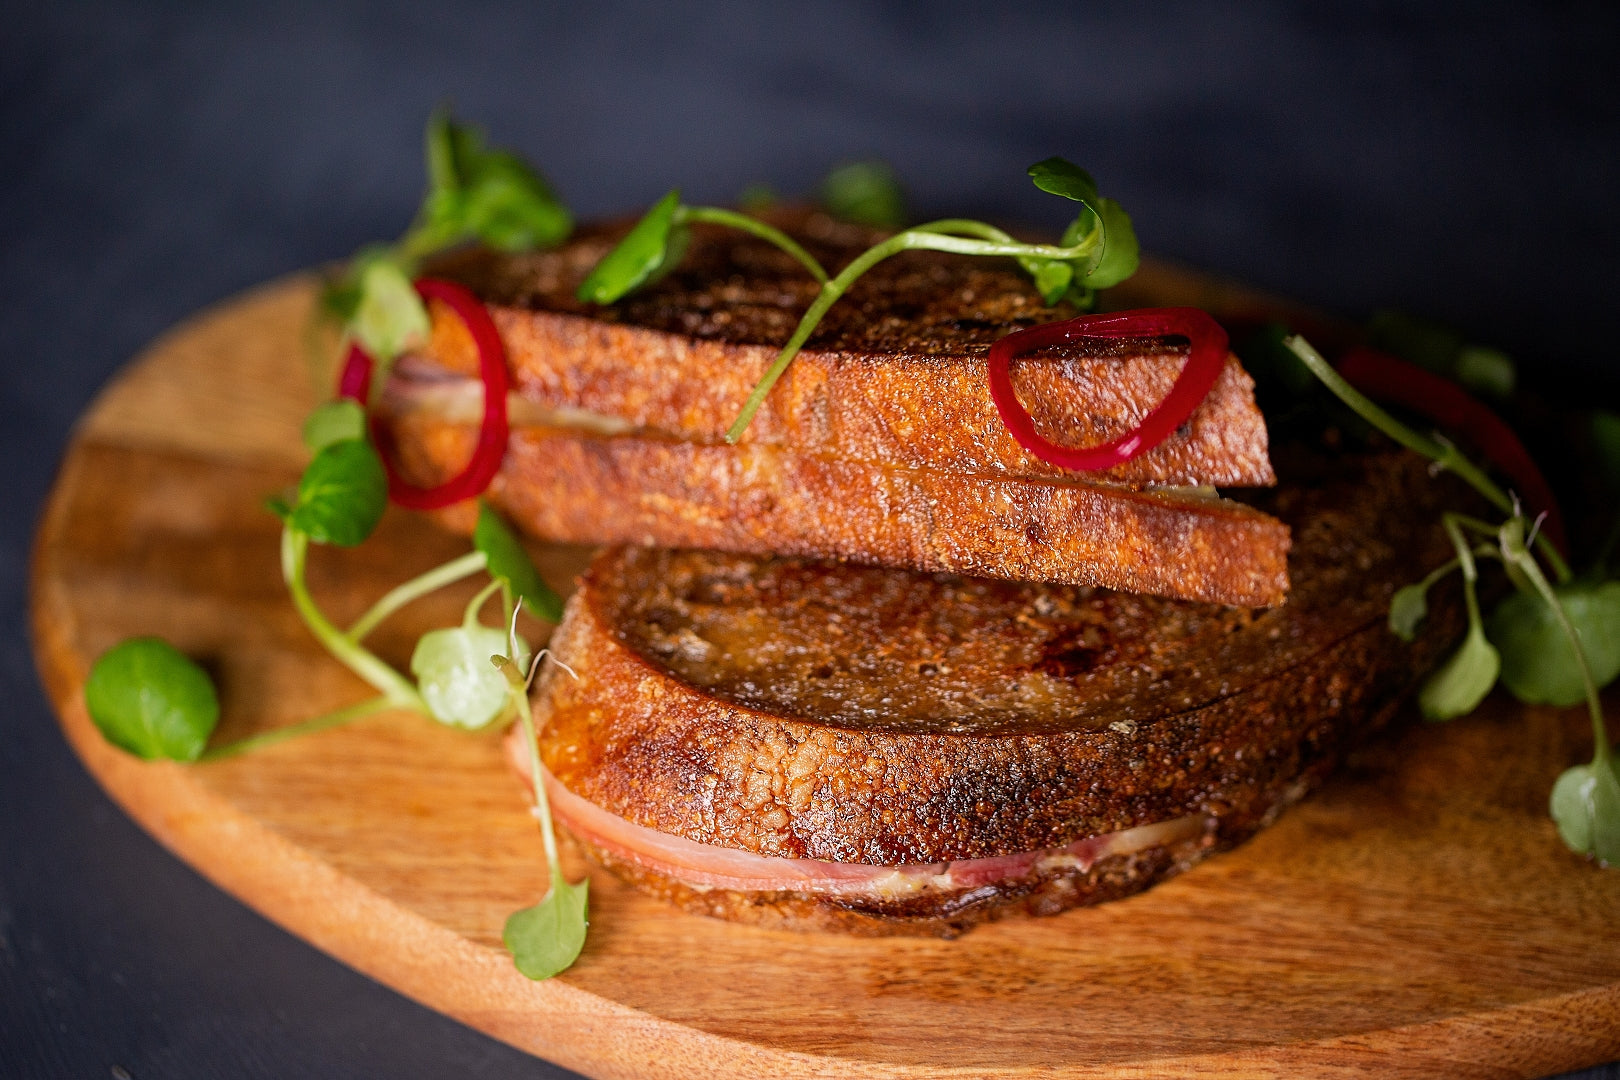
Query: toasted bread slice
[
  {"x": 563, "y": 485},
  {"x": 836, "y": 716},
  {"x": 894, "y": 376}
]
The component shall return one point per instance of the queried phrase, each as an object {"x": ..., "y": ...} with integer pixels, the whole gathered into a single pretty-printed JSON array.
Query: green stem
[
  {"x": 715, "y": 215},
  {"x": 419, "y": 586},
  {"x": 542, "y": 805},
  {"x": 332, "y": 719},
  {"x": 358, "y": 659},
  {"x": 1443, "y": 454},
  {"x": 1438, "y": 573},
  {"x": 469, "y": 617},
  {"x": 1519, "y": 555},
  {"x": 1465, "y": 555},
  {"x": 931, "y": 236}
]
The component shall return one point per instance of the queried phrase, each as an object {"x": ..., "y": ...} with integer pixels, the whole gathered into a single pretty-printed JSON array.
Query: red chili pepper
[
  {"x": 1389, "y": 378},
  {"x": 1198, "y": 374},
  {"x": 355, "y": 382}
]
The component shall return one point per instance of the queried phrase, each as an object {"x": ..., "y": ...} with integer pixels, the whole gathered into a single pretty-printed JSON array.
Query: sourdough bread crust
[
  {"x": 894, "y": 375},
  {"x": 571, "y": 487},
  {"x": 638, "y": 741}
]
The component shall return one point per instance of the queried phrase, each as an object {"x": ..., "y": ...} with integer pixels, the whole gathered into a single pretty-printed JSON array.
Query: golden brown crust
[
  {"x": 704, "y": 764},
  {"x": 566, "y": 486},
  {"x": 894, "y": 376}
]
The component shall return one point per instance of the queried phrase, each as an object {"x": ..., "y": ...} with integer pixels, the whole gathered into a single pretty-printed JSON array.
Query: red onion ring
[
  {"x": 1192, "y": 385},
  {"x": 355, "y": 382}
]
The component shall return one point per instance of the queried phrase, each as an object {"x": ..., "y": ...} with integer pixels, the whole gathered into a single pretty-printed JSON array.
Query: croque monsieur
[{"x": 916, "y": 678}]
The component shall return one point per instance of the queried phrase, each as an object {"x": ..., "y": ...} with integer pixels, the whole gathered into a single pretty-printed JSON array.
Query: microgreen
[
  {"x": 547, "y": 938},
  {"x": 491, "y": 195},
  {"x": 1443, "y": 351},
  {"x": 1461, "y": 682},
  {"x": 637, "y": 259},
  {"x": 1557, "y": 642},
  {"x": 1116, "y": 253},
  {"x": 453, "y": 672},
  {"x": 334, "y": 422},
  {"x": 1606, "y": 439},
  {"x": 1098, "y": 249},
  {"x": 389, "y": 317},
  {"x": 866, "y": 193},
  {"x": 1585, "y": 803},
  {"x": 474, "y": 193},
  {"x": 147, "y": 697},
  {"x": 341, "y": 496},
  {"x": 508, "y": 562},
  {"x": 656, "y": 244},
  {"x": 1537, "y": 665},
  {"x": 1410, "y": 604}
]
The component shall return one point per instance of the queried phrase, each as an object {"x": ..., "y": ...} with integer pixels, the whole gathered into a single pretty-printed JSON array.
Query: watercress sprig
[
  {"x": 547, "y": 938},
  {"x": 1585, "y": 800},
  {"x": 1097, "y": 250},
  {"x": 656, "y": 244},
  {"x": 474, "y": 193}
]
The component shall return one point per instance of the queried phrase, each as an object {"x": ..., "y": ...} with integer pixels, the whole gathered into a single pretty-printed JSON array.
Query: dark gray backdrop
[{"x": 1462, "y": 161}]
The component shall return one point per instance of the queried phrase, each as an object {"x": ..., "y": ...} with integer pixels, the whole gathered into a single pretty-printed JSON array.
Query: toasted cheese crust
[{"x": 1076, "y": 730}]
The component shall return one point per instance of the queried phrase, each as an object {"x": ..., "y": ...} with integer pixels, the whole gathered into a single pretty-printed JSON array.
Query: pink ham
[{"x": 706, "y": 866}]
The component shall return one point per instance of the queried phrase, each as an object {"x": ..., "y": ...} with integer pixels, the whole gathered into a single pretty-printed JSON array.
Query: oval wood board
[{"x": 1416, "y": 917}]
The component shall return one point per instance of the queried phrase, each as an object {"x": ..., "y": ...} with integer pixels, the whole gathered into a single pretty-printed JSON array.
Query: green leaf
[
  {"x": 756, "y": 198},
  {"x": 458, "y": 683},
  {"x": 342, "y": 494},
  {"x": 1407, "y": 608},
  {"x": 644, "y": 251},
  {"x": 335, "y": 421},
  {"x": 492, "y": 195},
  {"x": 1059, "y": 177},
  {"x": 1118, "y": 253},
  {"x": 390, "y": 317},
  {"x": 1052, "y": 277},
  {"x": 546, "y": 939},
  {"x": 1606, "y": 439},
  {"x": 511, "y": 208},
  {"x": 1486, "y": 371},
  {"x": 1426, "y": 344},
  {"x": 150, "y": 699},
  {"x": 1585, "y": 803},
  {"x": 1538, "y": 666},
  {"x": 508, "y": 561},
  {"x": 440, "y": 138},
  {"x": 866, "y": 193},
  {"x": 1121, "y": 252},
  {"x": 1461, "y": 683}
]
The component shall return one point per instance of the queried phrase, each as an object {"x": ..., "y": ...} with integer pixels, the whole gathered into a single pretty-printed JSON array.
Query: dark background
[{"x": 1461, "y": 162}]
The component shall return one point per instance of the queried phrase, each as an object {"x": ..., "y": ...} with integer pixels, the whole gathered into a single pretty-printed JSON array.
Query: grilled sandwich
[{"x": 881, "y": 445}]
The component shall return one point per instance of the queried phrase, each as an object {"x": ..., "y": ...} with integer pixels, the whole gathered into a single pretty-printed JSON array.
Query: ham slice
[{"x": 707, "y": 866}]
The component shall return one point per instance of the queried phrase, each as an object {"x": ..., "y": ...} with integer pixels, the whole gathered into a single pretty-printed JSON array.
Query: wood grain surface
[{"x": 1418, "y": 917}]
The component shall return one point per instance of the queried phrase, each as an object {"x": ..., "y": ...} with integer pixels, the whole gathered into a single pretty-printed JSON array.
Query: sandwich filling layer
[{"x": 708, "y": 866}]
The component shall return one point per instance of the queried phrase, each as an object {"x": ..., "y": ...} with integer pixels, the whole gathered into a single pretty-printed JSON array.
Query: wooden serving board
[{"x": 1416, "y": 917}]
